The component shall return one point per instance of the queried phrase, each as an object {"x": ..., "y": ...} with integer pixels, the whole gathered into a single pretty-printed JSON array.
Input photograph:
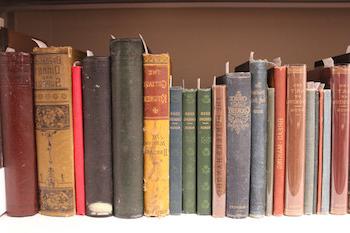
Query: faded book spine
[
  {"x": 270, "y": 151},
  {"x": 315, "y": 179},
  {"x": 16, "y": 101},
  {"x": 175, "y": 150},
  {"x": 340, "y": 85},
  {"x": 295, "y": 140},
  {"x": 257, "y": 202},
  {"x": 320, "y": 150},
  {"x": 219, "y": 151},
  {"x": 156, "y": 134},
  {"x": 127, "y": 126},
  {"x": 189, "y": 152},
  {"x": 97, "y": 135}
]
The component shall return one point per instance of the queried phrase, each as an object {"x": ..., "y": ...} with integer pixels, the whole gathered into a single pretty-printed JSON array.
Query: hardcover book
[
  {"x": 16, "y": 101},
  {"x": 127, "y": 127},
  {"x": 54, "y": 131},
  {"x": 97, "y": 136},
  {"x": 338, "y": 59},
  {"x": 295, "y": 140},
  {"x": 318, "y": 198},
  {"x": 156, "y": 134},
  {"x": 15, "y": 40}
]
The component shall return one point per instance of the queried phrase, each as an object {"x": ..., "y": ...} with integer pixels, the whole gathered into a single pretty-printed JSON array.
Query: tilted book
[{"x": 54, "y": 130}]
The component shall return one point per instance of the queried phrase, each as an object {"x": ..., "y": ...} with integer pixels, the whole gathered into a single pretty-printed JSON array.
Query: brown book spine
[
  {"x": 295, "y": 140},
  {"x": 320, "y": 152},
  {"x": 280, "y": 85},
  {"x": 340, "y": 85},
  {"x": 219, "y": 151}
]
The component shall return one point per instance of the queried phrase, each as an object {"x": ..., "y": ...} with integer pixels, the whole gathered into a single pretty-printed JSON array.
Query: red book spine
[
  {"x": 340, "y": 85},
  {"x": 78, "y": 140},
  {"x": 280, "y": 85}
]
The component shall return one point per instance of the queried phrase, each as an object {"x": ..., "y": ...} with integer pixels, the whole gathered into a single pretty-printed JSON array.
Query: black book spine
[
  {"x": 127, "y": 115},
  {"x": 97, "y": 135}
]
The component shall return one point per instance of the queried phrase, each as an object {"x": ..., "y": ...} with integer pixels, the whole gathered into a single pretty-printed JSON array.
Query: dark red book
[{"x": 78, "y": 140}]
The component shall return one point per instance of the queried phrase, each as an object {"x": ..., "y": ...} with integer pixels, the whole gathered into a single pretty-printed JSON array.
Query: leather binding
[
  {"x": 175, "y": 150},
  {"x": 204, "y": 144},
  {"x": 189, "y": 139},
  {"x": 77, "y": 101},
  {"x": 238, "y": 142},
  {"x": 15, "y": 40},
  {"x": 338, "y": 59},
  {"x": 326, "y": 156},
  {"x": 277, "y": 80},
  {"x": 270, "y": 151},
  {"x": 319, "y": 144},
  {"x": 258, "y": 70},
  {"x": 127, "y": 114},
  {"x": 16, "y": 83},
  {"x": 295, "y": 140},
  {"x": 54, "y": 130},
  {"x": 97, "y": 136},
  {"x": 156, "y": 134},
  {"x": 219, "y": 151},
  {"x": 340, "y": 85}
]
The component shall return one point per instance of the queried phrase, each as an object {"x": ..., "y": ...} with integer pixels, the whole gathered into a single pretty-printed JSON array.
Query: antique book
[
  {"x": 175, "y": 150},
  {"x": 204, "y": 145},
  {"x": 278, "y": 81},
  {"x": 15, "y": 40},
  {"x": 16, "y": 101},
  {"x": 97, "y": 136},
  {"x": 257, "y": 203},
  {"x": 320, "y": 74},
  {"x": 320, "y": 149},
  {"x": 54, "y": 130},
  {"x": 219, "y": 151},
  {"x": 77, "y": 101},
  {"x": 338, "y": 59},
  {"x": 326, "y": 152},
  {"x": 238, "y": 143},
  {"x": 127, "y": 115},
  {"x": 270, "y": 149},
  {"x": 295, "y": 140},
  {"x": 156, "y": 133},
  {"x": 340, "y": 86},
  {"x": 315, "y": 178},
  {"x": 189, "y": 152}
]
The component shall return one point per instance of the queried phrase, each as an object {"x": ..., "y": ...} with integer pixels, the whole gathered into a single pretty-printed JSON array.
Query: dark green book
[
  {"x": 204, "y": 151},
  {"x": 189, "y": 97}
]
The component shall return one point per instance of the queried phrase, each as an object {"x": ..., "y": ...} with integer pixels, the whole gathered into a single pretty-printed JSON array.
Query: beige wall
[{"x": 199, "y": 40}]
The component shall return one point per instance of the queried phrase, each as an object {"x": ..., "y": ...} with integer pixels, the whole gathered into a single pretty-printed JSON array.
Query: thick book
[
  {"x": 204, "y": 144},
  {"x": 175, "y": 150},
  {"x": 54, "y": 129},
  {"x": 219, "y": 151},
  {"x": 270, "y": 150},
  {"x": 340, "y": 86},
  {"x": 127, "y": 127},
  {"x": 77, "y": 101},
  {"x": 16, "y": 101},
  {"x": 257, "y": 203},
  {"x": 295, "y": 140},
  {"x": 97, "y": 136},
  {"x": 189, "y": 146},
  {"x": 238, "y": 143},
  {"x": 156, "y": 133}
]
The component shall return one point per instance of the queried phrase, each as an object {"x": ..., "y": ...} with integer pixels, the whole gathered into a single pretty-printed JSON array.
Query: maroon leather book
[{"x": 16, "y": 101}]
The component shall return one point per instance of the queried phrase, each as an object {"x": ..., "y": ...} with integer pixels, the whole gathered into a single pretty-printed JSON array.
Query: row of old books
[{"x": 103, "y": 136}]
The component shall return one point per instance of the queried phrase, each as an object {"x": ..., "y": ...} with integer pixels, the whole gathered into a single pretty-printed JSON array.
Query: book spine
[
  {"x": 2, "y": 191},
  {"x": 54, "y": 131},
  {"x": 97, "y": 136},
  {"x": 340, "y": 86},
  {"x": 16, "y": 101},
  {"x": 219, "y": 151},
  {"x": 238, "y": 144},
  {"x": 175, "y": 150},
  {"x": 204, "y": 144},
  {"x": 189, "y": 151},
  {"x": 280, "y": 84},
  {"x": 156, "y": 133},
  {"x": 270, "y": 151},
  {"x": 320, "y": 151},
  {"x": 315, "y": 178},
  {"x": 295, "y": 140},
  {"x": 310, "y": 150},
  {"x": 257, "y": 204},
  {"x": 326, "y": 156},
  {"x": 127, "y": 127},
  {"x": 77, "y": 102}
]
